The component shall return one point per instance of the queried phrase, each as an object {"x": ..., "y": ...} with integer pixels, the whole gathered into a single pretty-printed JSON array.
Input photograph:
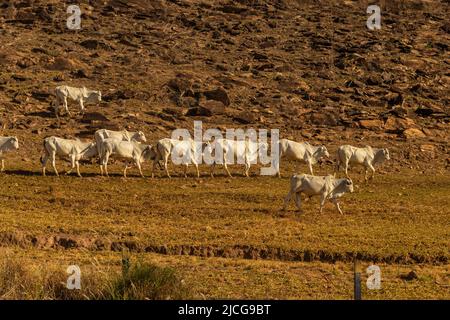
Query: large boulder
[
  {"x": 413, "y": 133},
  {"x": 218, "y": 94},
  {"x": 396, "y": 124},
  {"x": 371, "y": 124},
  {"x": 207, "y": 108}
]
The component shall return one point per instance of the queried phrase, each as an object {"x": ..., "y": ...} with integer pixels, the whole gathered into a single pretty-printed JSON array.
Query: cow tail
[{"x": 42, "y": 156}]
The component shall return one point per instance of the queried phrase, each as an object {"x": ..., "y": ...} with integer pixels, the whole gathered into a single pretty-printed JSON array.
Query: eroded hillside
[{"x": 309, "y": 68}]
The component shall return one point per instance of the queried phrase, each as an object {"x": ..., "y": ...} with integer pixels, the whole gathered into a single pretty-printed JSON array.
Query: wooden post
[{"x": 357, "y": 279}]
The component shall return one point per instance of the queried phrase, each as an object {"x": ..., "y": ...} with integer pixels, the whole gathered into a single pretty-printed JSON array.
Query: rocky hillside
[{"x": 309, "y": 68}]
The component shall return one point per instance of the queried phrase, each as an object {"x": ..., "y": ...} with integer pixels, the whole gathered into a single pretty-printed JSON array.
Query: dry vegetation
[
  {"x": 308, "y": 68},
  {"x": 400, "y": 222}
]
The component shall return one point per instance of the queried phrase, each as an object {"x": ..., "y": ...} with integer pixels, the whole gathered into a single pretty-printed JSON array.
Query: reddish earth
[{"x": 311, "y": 69}]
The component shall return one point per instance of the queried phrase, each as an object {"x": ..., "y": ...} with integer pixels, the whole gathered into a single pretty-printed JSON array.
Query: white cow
[
  {"x": 7, "y": 144},
  {"x": 81, "y": 95},
  {"x": 123, "y": 135},
  {"x": 130, "y": 151},
  {"x": 232, "y": 151},
  {"x": 367, "y": 157},
  {"x": 328, "y": 187},
  {"x": 302, "y": 152},
  {"x": 182, "y": 150},
  {"x": 71, "y": 149}
]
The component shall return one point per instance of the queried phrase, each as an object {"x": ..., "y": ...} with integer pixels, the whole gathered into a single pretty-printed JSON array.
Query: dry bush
[
  {"x": 144, "y": 281},
  {"x": 139, "y": 282}
]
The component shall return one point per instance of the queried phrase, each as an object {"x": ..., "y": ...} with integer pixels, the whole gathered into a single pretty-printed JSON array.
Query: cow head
[
  {"x": 90, "y": 151},
  {"x": 386, "y": 154},
  {"x": 140, "y": 137},
  {"x": 14, "y": 142},
  {"x": 96, "y": 96},
  {"x": 321, "y": 152},
  {"x": 348, "y": 185}
]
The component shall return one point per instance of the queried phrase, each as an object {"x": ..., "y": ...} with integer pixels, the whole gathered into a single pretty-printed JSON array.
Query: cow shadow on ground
[{"x": 42, "y": 114}]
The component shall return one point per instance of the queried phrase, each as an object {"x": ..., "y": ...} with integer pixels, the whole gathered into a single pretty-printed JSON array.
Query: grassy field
[{"x": 227, "y": 236}]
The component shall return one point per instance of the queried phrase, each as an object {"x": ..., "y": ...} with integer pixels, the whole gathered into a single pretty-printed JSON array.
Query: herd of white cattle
[{"x": 131, "y": 147}]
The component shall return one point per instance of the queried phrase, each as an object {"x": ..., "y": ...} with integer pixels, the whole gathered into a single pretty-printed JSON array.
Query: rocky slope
[{"x": 309, "y": 68}]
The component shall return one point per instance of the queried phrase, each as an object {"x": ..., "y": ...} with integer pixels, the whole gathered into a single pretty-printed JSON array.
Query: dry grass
[
  {"x": 397, "y": 215},
  {"x": 214, "y": 278},
  {"x": 21, "y": 278},
  {"x": 398, "y": 219}
]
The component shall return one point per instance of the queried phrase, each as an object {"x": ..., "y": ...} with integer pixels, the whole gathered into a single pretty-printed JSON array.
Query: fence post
[{"x": 357, "y": 279}]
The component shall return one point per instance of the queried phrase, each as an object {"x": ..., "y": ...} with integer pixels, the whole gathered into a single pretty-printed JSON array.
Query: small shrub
[{"x": 144, "y": 281}]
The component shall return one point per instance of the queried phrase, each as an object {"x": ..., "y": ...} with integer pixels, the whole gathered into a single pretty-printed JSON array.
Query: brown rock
[
  {"x": 320, "y": 118},
  {"x": 245, "y": 117},
  {"x": 371, "y": 124},
  {"x": 399, "y": 124},
  {"x": 207, "y": 108},
  {"x": 428, "y": 149},
  {"x": 413, "y": 133},
  {"x": 62, "y": 64},
  {"x": 218, "y": 94},
  {"x": 215, "y": 107}
]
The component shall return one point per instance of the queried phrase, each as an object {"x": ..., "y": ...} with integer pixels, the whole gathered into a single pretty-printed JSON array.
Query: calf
[
  {"x": 7, "y": 144},
  {"x": 328, "y": 187},
  {"x": 74, "y": 150},
  {"x": 367, "y": 157}
]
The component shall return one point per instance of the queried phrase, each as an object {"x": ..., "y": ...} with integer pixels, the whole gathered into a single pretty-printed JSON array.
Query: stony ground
[{"x": 308, "y": 68}]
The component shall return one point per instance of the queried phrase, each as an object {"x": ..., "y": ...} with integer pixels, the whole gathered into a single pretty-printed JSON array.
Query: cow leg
[
  {"x": 105, "y": 163},
  {"x": 226, "y": 169},
  {"x": 78, "y": 168},
  {"x": 72, "y": 164},
  {"x": 198, "y": 172},
  {"x": 373, "y": 170},
  {"x": 287, "y": 199},
  {"x": 66, "y": 106},
  {"x": 153, "y": 167},
  {"x": 310, "y": 168},
  {"x": 166, "y": 160},
  {"x": 138, "y": 164},
  {"x": 44, "y": 163},
  {"x": 346, "y": 169},
  {"x": 337, "y": 167},
  {"x": 247, "y": 169},
  {"x": 213, "y": 167},
  {"x": 336, "y": 203},
  {"x": 3, "y": 165},
  {"x": 53, "y": 156},
  {"x": 81, "y": 105},
  {"x": 298, "y": 201},
  {"x": 125, "y": 170},
  {"x": 185, "y": 170},
  {"x": 323, "y": 199}
]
